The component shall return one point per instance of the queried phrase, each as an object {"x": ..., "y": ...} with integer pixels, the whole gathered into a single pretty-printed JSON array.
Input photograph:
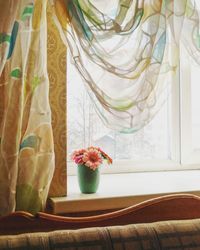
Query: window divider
[{"x": 175, "y": 117}]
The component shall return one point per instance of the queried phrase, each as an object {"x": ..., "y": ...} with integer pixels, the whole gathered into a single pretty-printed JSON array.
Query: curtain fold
[
  {"x": 127, "y": 51},
  {"x": 26, "y": 140},
  {"x": 7, "y": 29}
]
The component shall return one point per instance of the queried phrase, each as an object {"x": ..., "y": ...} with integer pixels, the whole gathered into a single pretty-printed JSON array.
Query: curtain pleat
[
  {"x": 26, "y": 139},
  {"x": 127, "y": 52}
]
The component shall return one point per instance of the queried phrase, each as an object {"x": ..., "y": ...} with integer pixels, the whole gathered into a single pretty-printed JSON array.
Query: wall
[{"x": 57, "y": 76}]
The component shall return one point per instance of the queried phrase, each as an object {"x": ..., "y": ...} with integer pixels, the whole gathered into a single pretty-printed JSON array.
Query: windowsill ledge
[{"x": 122, "y": 190}]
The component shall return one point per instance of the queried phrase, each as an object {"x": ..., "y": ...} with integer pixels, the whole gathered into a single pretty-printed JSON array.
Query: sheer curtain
[
  {"x": 133, "y": 48},
  {"x": 26, "y": 141}
]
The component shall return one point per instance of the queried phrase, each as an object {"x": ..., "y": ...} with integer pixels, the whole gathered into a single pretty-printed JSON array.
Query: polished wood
[{"x": 169, "y": 207}]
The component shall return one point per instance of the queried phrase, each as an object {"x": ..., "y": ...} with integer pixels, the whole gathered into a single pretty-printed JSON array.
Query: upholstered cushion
[{"x": 166, "y": 235}]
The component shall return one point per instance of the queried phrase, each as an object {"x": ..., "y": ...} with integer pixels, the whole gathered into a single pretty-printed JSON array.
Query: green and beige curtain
[{"x": 26, "y": 141}]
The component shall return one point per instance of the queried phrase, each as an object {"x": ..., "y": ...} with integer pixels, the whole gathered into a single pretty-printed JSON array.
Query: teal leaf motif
[
  {"x": 76, "y": 12},
  {"x": 27, "y": 12},
  {"x": 31, "y": 141},
  {"x": 13, "y": 38},
  {"x": 4, "y": 38},
  {"x": 159, "y": 49},
  {"x": 16, "y": 73},
  {"x": 138, "y": 18}
]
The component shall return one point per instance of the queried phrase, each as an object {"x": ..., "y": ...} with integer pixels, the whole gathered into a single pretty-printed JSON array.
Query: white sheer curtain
[{"x": 133, "y": 47}]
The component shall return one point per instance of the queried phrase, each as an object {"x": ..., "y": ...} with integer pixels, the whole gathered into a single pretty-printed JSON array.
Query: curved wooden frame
[{"x": 169, "y": 207}]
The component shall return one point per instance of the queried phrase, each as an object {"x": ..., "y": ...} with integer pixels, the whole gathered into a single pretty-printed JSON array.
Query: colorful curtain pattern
[
  {"x": 127, "y": 51},
  {"x": 26, "y": 141}
]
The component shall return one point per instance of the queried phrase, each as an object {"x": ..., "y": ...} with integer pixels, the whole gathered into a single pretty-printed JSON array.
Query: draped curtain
[
  {"x": 26, "y": 141},
  {"x": 127, "y": 51}
]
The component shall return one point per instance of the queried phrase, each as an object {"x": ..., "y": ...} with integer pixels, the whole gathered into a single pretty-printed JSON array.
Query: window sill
[{"x": 122, "y": 190}]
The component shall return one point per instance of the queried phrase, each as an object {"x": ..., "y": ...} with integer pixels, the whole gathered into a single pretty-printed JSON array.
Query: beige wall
[{"x": 57, "y": 76}]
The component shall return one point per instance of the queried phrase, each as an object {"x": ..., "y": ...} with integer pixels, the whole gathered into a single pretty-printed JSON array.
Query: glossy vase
[{"x": 88, "y": 179}]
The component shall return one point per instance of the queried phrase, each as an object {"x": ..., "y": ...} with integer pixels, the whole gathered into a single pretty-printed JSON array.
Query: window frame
[
  {"x": 182, "y": 158},
  {"x": 188, "y": 155}
]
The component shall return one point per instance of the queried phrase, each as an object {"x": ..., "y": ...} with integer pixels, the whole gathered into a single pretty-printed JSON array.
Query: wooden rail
[{"x": 169, "y": 207}]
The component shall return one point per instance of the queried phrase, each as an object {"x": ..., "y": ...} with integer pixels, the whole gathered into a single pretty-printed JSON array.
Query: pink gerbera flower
[
  {"x": 105, "y": 156},
  {"x": 79, "y": 159},
  {"x": 92, "y": 158},
  {"x": 77, "y": 153}
]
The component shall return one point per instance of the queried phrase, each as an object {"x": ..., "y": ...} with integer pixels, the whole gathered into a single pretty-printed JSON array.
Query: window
[
  {"x": 190, "y": 109},
  {"x": 170, "y": 141}
]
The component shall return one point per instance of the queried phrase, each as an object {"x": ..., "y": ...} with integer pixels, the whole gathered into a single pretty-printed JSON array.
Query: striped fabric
[{"x": 167, "y": 235}]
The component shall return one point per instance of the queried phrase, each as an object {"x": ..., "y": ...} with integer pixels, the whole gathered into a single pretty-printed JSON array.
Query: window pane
[
  {"x": 85, "y": 128},
  {"x": 195, "y": 102},
  {"x": 190, "y": 107}
]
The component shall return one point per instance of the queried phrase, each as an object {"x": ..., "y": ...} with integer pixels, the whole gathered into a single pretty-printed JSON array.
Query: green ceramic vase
[{"x": 88, "y": 179}]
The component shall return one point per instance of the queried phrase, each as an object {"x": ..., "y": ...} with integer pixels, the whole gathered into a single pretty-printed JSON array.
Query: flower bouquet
[{"x": 88, "y": 161}]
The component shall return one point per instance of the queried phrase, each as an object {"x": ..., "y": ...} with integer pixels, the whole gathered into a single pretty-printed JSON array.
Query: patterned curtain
[
  {"x": 26, "y": 141},
  {"x": 127, "y": 51}
]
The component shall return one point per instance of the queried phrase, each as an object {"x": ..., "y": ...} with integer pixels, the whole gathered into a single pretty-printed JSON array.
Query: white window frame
[
  {"x": 182, "y": 158},
  {"x": 188, "y": 155}
]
